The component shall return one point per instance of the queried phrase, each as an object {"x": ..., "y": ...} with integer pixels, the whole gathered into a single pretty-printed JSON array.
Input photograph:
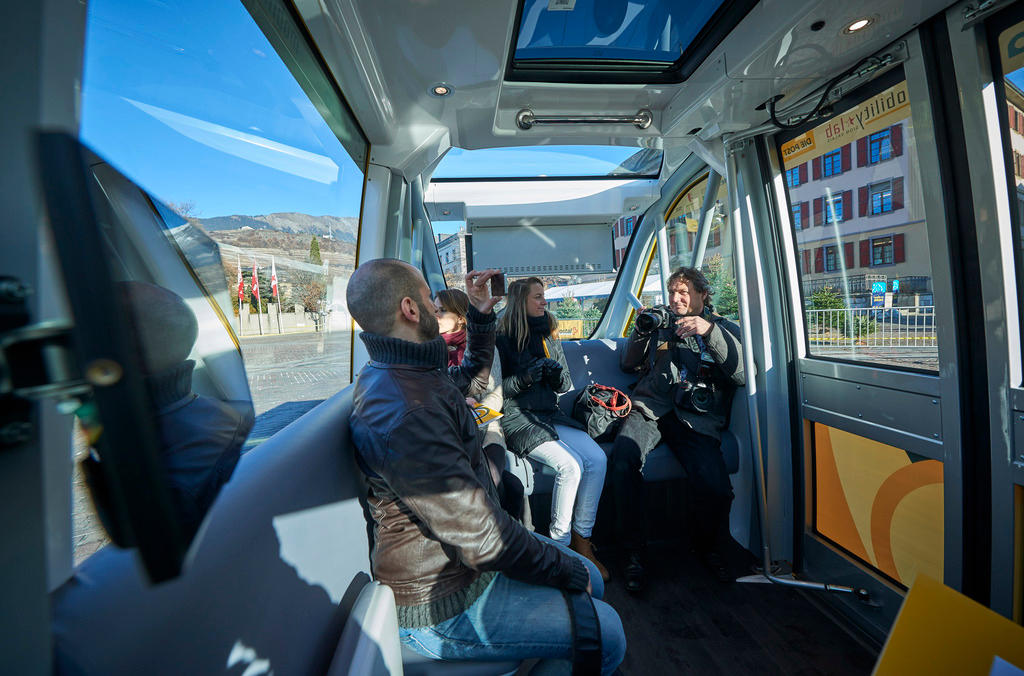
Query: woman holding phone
[
  {"x": 451, "y": 306},
  {"x": 535, "y": 373}
]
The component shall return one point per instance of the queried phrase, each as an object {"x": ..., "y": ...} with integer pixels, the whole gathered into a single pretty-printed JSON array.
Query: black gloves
[
  {"x": 552, "y": 373},
  {"x": 534, "y": 372}
]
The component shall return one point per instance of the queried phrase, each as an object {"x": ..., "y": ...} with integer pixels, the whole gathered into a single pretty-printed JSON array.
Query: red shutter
[
  {"x": 817, "y": 211},
  {"x": 865, "y": 253},
  {"x": 1010, "y": 114},
  {"x": 896, "y": 138},
  {"x": 805, "y": 210},
  {"x": 844, "y": 155},
  {"x": 803, "y": 173},
  {"x": 862, "y": 200},
  {"x": 807, "y": 261},
  {"x": 862, "y": 152},
  {"x": 898, "y": 254},
  {"x": 897, "y": 193},
  {"x": 847, "y": 205},
  {"x": 848, "y": 254},
  {"x": 819, "y": 259},
  {"x": 816, "y": 168}
]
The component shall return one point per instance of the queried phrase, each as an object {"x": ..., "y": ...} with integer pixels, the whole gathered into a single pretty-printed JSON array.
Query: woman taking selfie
[
  {"x": 451, "y": 306},
  {"x": 535, "y": 373}
]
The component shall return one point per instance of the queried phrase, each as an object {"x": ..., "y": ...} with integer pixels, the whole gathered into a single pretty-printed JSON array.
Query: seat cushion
[{"x": 597, "y": 361}]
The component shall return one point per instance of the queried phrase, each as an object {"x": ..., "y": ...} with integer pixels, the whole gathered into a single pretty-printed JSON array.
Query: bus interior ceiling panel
[{"x": 387, "y": 60}]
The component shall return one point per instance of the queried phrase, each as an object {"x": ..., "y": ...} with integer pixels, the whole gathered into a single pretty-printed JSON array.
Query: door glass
[
  {"x": 1011, "y": 53},
  {"x": 682, "y": 235},
  {"x": 858, "y": 216}
]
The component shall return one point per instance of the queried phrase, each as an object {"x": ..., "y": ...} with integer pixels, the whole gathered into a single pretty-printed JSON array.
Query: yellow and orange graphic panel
[{"x": 879, "y": 503}]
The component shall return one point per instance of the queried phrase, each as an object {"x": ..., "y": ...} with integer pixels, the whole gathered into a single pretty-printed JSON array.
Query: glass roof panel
[
  {"x": 549, "y": 162},
  {"x": 611, "y": 30}
]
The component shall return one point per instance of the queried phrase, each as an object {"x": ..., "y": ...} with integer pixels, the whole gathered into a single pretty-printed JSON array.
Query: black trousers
[{"x": 701, "y": 457}]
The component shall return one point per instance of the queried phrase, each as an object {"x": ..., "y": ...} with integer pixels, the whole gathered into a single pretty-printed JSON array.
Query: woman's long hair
[
  {"x": 454, "y": 300},
  {"x": 513, "y": 322}
]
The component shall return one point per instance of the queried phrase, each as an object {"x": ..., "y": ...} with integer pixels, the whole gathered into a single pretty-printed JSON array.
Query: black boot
[{"x": 636, "y": 576}]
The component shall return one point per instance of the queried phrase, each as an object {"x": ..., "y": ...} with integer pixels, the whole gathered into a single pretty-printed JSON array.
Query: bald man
[{"x": 470, "y": 582}]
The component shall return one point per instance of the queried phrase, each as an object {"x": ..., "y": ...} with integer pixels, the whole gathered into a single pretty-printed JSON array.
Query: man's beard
[{"x": 427, "y": 328}]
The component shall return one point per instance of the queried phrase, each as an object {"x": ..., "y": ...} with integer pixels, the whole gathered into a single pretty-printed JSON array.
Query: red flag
[
  {"x": 241, "y": 283},
  {"x": 273, "y": 278},
  {"x": 255, "y": 282}
]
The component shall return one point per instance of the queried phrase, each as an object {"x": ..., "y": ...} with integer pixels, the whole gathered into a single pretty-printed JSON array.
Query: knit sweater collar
[
  {"x": 172, "y": 385},
  {"x": 388, "y": 350}
]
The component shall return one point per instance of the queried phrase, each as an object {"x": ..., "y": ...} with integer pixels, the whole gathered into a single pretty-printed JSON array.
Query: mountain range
[{"x": 343, "y": 228}]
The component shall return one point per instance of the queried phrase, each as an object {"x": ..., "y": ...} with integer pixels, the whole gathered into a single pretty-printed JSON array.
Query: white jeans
[{"x": 579, "y": 465}]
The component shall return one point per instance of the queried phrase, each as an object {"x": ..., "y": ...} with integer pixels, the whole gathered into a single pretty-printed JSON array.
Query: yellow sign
[
  {"x": 940, "y": 631},
  {"x": 691, "y": 224},
  {"x": 875, "y": 114},
  {"x": 570, "y": 329},
  {"x": 1011, "y": 48}
]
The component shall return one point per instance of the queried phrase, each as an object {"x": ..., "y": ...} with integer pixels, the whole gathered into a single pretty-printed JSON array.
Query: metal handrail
[{"x": 526, "y": 118}]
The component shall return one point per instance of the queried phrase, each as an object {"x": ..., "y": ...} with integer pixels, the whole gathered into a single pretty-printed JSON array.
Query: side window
[
  {"x": 863, "y": 255},
  {"x": 194, "y": 104},
  {"x": 1011, "y": 62},
  {"x": 718, "y": 263}
]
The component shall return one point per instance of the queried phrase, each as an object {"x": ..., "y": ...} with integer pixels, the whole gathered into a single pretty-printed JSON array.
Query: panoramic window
[
  {"x": 866, "y": 272},
  {"x": 1011, "y": 61},
  {"x": 192, "y": 102},
  {"x": 682, "y": 231},
  {"x": 610, "y": 30},
  {"x": 549, "y": 162}
]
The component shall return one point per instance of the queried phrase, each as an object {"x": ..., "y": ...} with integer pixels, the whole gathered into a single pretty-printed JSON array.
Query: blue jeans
[{"x": 514, "y": 620}]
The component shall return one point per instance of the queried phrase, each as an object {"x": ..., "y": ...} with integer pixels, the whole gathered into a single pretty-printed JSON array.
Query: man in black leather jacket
[
  {"x": 469, "y": 581},
  {"x": 690, "y": 372}
]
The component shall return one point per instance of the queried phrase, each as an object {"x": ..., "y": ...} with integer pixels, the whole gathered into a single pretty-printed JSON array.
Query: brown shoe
[{"x": 582, "y": 546}]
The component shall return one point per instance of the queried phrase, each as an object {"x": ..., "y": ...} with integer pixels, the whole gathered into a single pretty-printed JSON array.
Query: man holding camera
[{"x": 691, "y": 363}]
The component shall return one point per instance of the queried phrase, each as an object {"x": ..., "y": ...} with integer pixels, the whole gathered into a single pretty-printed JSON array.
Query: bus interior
[{"x": 849, "y": 177}]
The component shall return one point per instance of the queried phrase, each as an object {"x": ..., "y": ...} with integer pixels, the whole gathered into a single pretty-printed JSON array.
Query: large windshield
[{"x": 550, "y": 162}]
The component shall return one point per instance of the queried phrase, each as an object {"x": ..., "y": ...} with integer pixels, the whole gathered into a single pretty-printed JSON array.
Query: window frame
[
  {"x": 883, "y": 139},
  {"x": 880, "y": 188}
]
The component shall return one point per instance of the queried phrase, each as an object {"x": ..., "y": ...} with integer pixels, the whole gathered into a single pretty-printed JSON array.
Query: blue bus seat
[
  {"x": 597, "y": 361},
  {"x": 269, "y": 583}
]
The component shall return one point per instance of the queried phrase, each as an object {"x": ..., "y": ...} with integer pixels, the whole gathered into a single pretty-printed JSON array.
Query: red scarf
[{"x": 456, "y": 346}]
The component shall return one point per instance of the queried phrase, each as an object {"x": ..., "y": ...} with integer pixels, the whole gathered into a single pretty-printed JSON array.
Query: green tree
[
  {"x": 569, "y": 308},
  {"x": 314, "y": 251},
  {"x": 265, "y": 291},
  {"x": 827, "y": 298},
  {"x": 726, "y": 299}
]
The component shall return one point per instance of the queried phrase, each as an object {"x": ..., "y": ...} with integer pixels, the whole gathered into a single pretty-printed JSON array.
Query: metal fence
[{"x": 903, "y": 327}]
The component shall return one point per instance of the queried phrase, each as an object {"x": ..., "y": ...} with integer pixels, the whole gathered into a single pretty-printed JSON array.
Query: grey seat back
[
  {"x": 271, "y": 577},
  {"x": 369, "y": 643}
]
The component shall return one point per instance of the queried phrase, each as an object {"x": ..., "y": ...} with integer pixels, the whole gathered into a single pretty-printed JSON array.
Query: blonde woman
[{"x": 535, "y": 373}]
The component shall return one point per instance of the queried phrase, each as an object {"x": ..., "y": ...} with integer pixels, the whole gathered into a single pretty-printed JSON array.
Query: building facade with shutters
[
  {"x": 854, "y": 219},
  {"x": 452, "y": 252},
  {"x": 622, "y": 231}
]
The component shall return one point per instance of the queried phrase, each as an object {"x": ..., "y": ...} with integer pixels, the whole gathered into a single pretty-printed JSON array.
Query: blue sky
[{"x": 190, "y": 101}]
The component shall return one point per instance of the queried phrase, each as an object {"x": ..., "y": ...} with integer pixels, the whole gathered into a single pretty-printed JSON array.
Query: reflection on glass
[
  {"x": 193, "y": 103},
  {"x": 862, "y": 242},
  {"x": 550, "y": 161},
  {"x": 717, "y": 262},
  {"x": 1012, "y": 58}
]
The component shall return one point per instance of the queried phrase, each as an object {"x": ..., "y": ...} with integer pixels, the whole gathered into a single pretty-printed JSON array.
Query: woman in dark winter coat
[{"x": 535, "y": 373}]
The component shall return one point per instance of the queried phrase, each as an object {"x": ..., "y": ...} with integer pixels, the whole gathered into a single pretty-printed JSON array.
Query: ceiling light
[
  {"x": 859, "y": 24},
  {"x": 441, "y": 89}
]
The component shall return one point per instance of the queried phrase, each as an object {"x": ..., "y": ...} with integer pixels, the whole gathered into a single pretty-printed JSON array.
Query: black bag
[{"x": 600, "y": 408}]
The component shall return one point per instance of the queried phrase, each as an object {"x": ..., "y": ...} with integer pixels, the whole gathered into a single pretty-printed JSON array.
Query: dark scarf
[
  {"x": 513, "y": 360},
  {"x": 388, "y": 350},
  {"x": 456, "y": 342}
]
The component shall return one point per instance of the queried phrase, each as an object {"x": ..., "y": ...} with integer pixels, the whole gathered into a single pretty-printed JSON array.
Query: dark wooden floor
[{"x": 688, "y": 622}]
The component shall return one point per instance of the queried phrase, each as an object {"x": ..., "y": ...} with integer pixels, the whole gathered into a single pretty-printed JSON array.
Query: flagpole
[
  {"x": 256, "y": 287},
  {"x": 273, "y": 288},
  {"x": 241, "y": 288}
]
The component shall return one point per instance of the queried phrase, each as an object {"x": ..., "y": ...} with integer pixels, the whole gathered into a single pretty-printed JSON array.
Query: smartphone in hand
[{"x": 498, "y": 285}]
